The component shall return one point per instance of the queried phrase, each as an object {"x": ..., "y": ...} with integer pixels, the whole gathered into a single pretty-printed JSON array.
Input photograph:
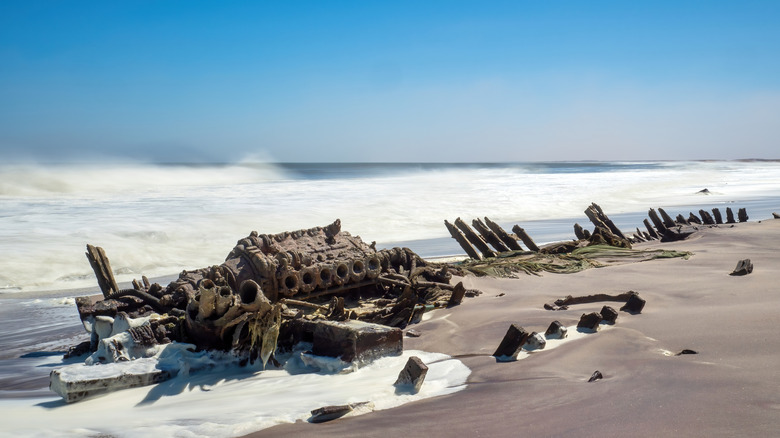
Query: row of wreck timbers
[{"x": 321, "y": 285}]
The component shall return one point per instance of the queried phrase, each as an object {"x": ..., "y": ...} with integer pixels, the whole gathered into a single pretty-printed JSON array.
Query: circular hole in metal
[{"x": 357, "y": 267}]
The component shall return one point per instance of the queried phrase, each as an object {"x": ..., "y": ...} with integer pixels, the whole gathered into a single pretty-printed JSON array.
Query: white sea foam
[
  {"x": 158, "y": 220},
  {"x": 229, "y": 402}
]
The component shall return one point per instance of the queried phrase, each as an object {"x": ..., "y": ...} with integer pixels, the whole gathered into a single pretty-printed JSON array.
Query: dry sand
[{"x": 732, "y": 387}]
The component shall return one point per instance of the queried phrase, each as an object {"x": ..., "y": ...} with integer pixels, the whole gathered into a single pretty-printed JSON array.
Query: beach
[
  {"x": 727, "y": 389},
  {"x": 646, "y": 389}
]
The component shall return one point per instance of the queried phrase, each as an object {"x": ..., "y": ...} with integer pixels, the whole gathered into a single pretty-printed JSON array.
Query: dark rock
[
  {"x": 687, "y": 351},
  {"x": 412, "y": 333},
  {"x": 595, "y": 376},
  {"x": 742, "y": 215},
  {"x": 589, "y": 321},
  {"x": 356, "y": 341},
  {"x": 775, "y": 215},
  {"x": 704, "y": 191},
  {"x": 535, "y": 341},
  {"x": 513, "y": 340},
  {"x": 556, "y": 330},
  {"x": 609, "y": 314},
  {"x": 328, "y": 413},
  {"x": 744, "y": 267},
  {"x": 412, "y": 376},
  {"x": 634, "y": 305}
]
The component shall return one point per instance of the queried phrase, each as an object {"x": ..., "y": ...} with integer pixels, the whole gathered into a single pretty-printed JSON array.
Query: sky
[{"x": 395, "y": 81}]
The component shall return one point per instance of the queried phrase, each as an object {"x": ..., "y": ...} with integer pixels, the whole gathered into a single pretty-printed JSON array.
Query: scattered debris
[
  {"x": 608, "y": 314},
  {"x": 328, "y": 413},
  {"x": 686, "y": 351},
  {"x": 744, "y": 267},
  {"x": 589, "y": 321},
  {"x": 513, "y": 341},
  {"x": 634, "y": 305},
  {"x": 412, "y": 376},
  {"x": 535, "y": 341},
  {"x": 556, "y": 330},
  {"x": 595, "y": 376},
  {"x": 412, "y": 333}
]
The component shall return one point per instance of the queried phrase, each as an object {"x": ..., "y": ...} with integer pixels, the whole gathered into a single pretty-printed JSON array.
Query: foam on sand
[{"x": 228, "y": 401}]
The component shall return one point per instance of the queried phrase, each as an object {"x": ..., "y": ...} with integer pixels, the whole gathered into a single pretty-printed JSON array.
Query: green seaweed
[{"x": 509, "y": 263}]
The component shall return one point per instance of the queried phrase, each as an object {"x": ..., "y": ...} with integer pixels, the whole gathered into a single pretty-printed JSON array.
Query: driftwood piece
[
  {"x": 579, "y": 232},
  {"x": 730, "y": 216},
  {"x": 489, "y": 236},
  {"x": 668, "y": 222},
  {"x": 717, "y": 215},
  {"x": 650, "y": 229},
  {"x": 462, "y": 241},
  {"x": 659, "y": 225},
  {"x": 525, "y": 238},
  {"x": 706, "y": 217},
  {"x": 744, "y": 267},
  {"x": 742, "y": 215},
  {"x": 474, "y": 238},
  {"x": 569, "y": 300},
  {"x": 100, "y": 264},
  {"x": 599, "y": 219},
  {"x": 503, "y": 235}
]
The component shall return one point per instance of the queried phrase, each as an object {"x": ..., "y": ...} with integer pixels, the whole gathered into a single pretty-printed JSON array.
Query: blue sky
[{"x": 389, "y": 81}]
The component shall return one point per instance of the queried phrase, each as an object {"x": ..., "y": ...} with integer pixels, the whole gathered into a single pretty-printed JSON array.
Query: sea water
[{"x": 157, "y": 220}]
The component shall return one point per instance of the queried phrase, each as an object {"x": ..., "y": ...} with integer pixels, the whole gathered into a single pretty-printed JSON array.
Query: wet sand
[{"x": 730, "y": 387}]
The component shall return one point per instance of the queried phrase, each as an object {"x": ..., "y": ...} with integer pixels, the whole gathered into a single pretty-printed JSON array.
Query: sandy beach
[{"x": 729, "y": 388}]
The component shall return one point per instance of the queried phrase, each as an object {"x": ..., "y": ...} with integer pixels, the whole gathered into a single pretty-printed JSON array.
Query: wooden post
[
  {"x": 668, "y": 222},
  {"x": 656, "y": 221},
  {"x": 503, "y": 235},
  {"x": 525, "y": 238},
  {"x": 681, "y": 220},
  {"x": 474, "y": 238},
  {"x": 599, "y": 219},
  {"x": 464, "y": 243},
  {"x": 742, "y": 215},
  {"x": 489, "y": 235},
  {"x": 99, "y": 262},
  {"x": 706, "y": 218},
  {"x": 650, "y": 229},
  {"x": 730, "y": 216},
  {"x": 578, "y": 232},
  {"x": 718, "y": 217},
  {"x": 692, "y": 218}
]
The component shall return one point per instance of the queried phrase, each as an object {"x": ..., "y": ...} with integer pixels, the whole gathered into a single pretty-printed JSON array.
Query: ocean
[{"x": 159, "y": 219}]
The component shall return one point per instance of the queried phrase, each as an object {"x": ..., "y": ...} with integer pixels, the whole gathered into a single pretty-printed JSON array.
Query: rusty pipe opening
[
  {"x": 248, "y": 291},
  {"x": 309, "y": 279},
  {"x": 342, "y": 273},
  {"x": 357, "y": 270},
  {"x": 373, "y": 267},
  {"x": 289, "y": 284},
  {"x": 326, "y": 276}
]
